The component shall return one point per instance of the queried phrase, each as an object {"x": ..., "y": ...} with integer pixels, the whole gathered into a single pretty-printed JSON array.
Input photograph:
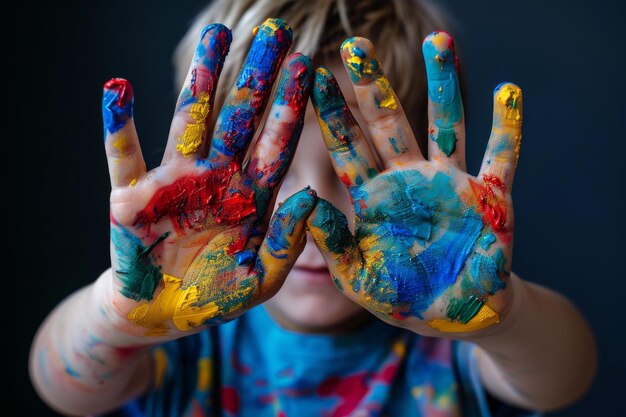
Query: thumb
[
  {"x": 329, "y": 228},
  {"x": 284, "y": 241}
]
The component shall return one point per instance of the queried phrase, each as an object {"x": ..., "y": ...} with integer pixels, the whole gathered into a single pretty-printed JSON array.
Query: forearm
[
  {"x": 79, "y": 362},
  {"x": 542, "y": 355}
]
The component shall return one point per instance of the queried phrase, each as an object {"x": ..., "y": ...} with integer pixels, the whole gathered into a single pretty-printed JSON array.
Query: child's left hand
[{"x": 432, "y": 246}]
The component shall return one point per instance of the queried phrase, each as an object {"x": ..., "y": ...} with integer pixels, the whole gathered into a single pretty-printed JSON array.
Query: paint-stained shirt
[{"x": 253, "y": 367}]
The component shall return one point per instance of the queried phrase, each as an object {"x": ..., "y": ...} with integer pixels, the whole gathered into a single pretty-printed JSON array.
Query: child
[{"x": 198, "y": 241}]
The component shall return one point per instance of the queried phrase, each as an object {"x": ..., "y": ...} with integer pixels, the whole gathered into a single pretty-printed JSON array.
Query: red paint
[
  {"x": 351, "y": 391},
  {"x": 122, "y": 88},
  {"x": 190, "y": 200},
  {"x": 238, "y": 366},
  {"x": 345, "y": 179},
  {"x": 387, "y": 374},
  {"x": 230, "y": 400},
  {"x": 492, "y": 208},
  {"x": 495, "y": 181},
  {"x": 238, "y": 244},
  {"x": 399, "y": 315}
]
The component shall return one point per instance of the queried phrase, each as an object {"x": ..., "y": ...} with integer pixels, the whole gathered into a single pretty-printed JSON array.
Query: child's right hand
[{"x": 189, "y": 239}]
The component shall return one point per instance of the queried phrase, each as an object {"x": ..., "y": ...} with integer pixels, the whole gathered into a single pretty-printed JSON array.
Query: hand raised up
[
  {"x": 189, "y": 239},
  {"x": 433, "y": 244}
]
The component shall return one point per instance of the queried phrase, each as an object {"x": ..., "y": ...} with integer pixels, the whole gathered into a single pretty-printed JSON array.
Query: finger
[
  {"x": 446, "y": 127},
  {"x": 284, "y": 241},
  {"x": 350, "y": 153},
  {"x": 244, "y": 105},
  {"x": 382, "y": 113},
  {"x": 121, "y": 143},
  {"x": 502, "y": 152},
  {"x": 188, "y": 132},
  {"x": 275, "y": 147},
  {"x": 329, "y": 228}
]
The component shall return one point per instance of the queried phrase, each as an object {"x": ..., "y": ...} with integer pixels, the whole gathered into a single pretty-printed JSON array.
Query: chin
[{"x": 310, "y": 304}]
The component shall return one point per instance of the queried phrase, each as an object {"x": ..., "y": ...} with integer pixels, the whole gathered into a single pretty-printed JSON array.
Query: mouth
[{"x": 317, "y": 275}]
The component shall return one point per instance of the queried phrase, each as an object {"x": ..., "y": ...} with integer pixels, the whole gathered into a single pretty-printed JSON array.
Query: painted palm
[
  {"x": 190, "y": 240},
  {"x": 432, "y": 244}
]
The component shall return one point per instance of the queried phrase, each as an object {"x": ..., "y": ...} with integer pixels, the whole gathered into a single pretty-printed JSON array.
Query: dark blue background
[{"x": 568, "y": 56}]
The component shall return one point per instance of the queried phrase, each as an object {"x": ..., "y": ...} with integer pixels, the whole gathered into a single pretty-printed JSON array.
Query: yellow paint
[
  {"x": 133, "y": 182},
  {"x": 399, "y": 348},
  {"x": 191, "y": 140},
  {"x": 204, "y": 374},
  {"x": 508, "y": 110},
  {"x": 120, "y": 143},
  {"x": 484, "y": 318},
  {"x": 440, "y": 41},
  {"x": 172, "y": 304},
  {"x": 371, "y": 66},
  {"x": 189, "y": 302},
  {"x": 509, "y": 104},
  {"x": 160, "y": 366}
]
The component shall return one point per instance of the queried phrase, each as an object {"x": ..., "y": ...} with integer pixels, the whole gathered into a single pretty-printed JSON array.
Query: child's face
[{"x": 309, "y": 301}]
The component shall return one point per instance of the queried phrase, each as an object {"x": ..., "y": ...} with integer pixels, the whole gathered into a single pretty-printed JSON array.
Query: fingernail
[{"x": 117, "y": 104}]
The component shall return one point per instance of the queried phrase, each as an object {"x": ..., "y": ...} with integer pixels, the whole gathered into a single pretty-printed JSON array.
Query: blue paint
[
  {"x": 245, "y": 257},
  {"x": 289, "y": 215},
  {"x": 115, "y": 110},
  {"x": 415, "y": 209},
  {"x": 487, "y": 240},
  {"x": 68, "y": 368},
  {"x": 358, "y": 52},
  {"x": 443, "y": 91},
  {"x": 235, "y": 126},
  {"x": 485, "y": 272}
]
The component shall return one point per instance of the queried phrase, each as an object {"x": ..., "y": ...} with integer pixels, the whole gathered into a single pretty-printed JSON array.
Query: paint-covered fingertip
[
  {"x": 326, "y": 94},
  {"x": 276, "y": 27},
  {"x": 329, "y": 227},
  {"x": 295, "y": 82},
  {"x": 300, "y": 63},
  {"x": 217, "y": 30},
  {"x": 117, "y": 104},
  {"x": 507, "y": 102},
  {"x": 120, "y": 85},
  {"x": 297, "y": 207},
  {"x": 440, "y": 40},
  {"x": 357, "y": 47}
]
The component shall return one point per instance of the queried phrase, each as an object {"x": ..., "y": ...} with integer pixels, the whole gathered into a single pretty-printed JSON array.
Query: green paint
[
  {"x": 398, "y": 145},
  {"x": 464, "y": 310},
  {"x": 446, "y": 140},
  {"x": 487, "y": 240},
  {"x": 337, "y": 283},
  {"x": 137, "y": 272},
  {"x": 334, "y": 224},
  {"x": 484, "y": 276}
]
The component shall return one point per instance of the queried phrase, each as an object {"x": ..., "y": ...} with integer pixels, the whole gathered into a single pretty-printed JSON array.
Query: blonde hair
[{"x": 395, "y": 27}]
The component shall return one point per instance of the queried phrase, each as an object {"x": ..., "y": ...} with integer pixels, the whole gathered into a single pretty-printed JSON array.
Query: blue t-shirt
[{"x": 253, "y": 367}]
